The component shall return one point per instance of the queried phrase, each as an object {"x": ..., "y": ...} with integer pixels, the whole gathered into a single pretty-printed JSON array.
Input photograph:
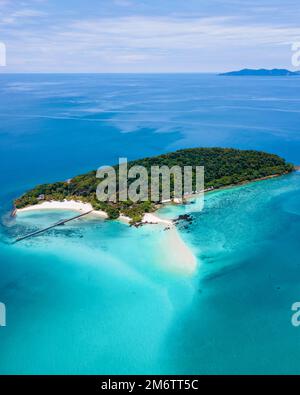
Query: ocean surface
[{"x": 100, "y": 297}]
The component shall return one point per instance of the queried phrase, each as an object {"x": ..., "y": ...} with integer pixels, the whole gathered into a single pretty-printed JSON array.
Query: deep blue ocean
[{"x": 100, "y": 297}]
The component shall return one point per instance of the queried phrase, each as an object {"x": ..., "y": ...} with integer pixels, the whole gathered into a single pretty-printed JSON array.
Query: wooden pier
[{"x": 59, "y": 223}]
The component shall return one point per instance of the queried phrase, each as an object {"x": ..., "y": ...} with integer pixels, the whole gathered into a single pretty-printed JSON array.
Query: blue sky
[{"x": 147, "y": 35}]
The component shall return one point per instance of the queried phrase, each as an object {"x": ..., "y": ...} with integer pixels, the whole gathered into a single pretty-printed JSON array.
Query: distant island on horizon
[{"x": 262, "y": 72}]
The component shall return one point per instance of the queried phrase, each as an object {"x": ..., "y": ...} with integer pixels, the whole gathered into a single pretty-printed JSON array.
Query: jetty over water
[{"x": 59, "y": 223}]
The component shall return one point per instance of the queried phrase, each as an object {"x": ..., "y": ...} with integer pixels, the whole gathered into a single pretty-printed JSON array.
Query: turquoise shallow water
[
  {"x": 96, "y": 296},
  {"x": 239, "y": 320},
  {"x": 92, "y": 297}
]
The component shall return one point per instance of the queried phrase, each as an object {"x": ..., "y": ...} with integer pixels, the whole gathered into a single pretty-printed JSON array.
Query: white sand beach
[
  {"x": 124, "y": 218},
  {"x": 175, "y": 253},
  {"x": 151, "y": 218},
  {"x": 63, "y": 205}
]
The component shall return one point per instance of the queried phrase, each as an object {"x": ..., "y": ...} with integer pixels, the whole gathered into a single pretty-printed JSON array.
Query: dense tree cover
[{"x": 223, "y": 167}]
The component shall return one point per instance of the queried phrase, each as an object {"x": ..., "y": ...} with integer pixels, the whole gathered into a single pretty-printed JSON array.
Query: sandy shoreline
[
  {"x": 64, "y": 205},
  {"x": 177, "y": 250},
  {"x": 176, "y": 254},
  {"x": 149, "y": 218},
  {"x": 174, "y": 250}
]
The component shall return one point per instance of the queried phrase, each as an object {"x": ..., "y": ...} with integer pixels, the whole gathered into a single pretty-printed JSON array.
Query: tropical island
[
  {"x": 262, "y": 72},
  {"x": 224, "y": 167}
]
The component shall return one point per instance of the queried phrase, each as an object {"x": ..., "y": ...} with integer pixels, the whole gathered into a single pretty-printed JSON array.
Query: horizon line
[{"x": 111, "y": 72}]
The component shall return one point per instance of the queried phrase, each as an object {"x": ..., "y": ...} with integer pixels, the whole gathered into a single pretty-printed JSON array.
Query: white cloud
[
  {"x": 28, "y": 13},
  {"x": 93, "y": 45},
  {"x": 167, "y": 33},
  {"x": 22, "y": 15}
]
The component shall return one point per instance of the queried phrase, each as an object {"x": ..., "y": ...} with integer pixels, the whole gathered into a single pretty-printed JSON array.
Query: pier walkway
[{"x": 59, "y": 223}]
